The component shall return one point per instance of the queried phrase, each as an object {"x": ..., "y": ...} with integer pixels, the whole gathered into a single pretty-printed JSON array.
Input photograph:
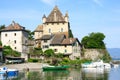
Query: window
[
  {"x": 65, "y": 45},
  {"x": 45, "y": 46},
  {"x": 55, "y": 50},
  {"x": 15, "y": 41},
  {"x": 52, "y": 23},
  {"x": 14, "y": 34},
  {"x": 61, "y": 29},
  {"x": 49, "y": 30},
  {"x": 45, "y": 41},
  {"x": 5, "y": 35},
  {"x": 65, "y": 50},
  {"x": 25, "y": 41},
  {"x": 15, "y": 48}
]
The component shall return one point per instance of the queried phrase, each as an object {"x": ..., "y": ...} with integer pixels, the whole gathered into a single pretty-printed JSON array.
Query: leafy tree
[
  {"x": 70, "y": 33},
  {"x": 49, "y": 53},
  {"x": 7, "y": 51},
  {"x": 0, "y": 43},
  {"x": 2, "y": 27},
  {"x": 94, "y": 40},
  {"x": 30, "y": 35},
  {"x": 36, "y": 51}
]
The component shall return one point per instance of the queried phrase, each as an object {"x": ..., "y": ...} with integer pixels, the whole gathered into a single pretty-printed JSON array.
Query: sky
[{"x": 85, "y": 16}]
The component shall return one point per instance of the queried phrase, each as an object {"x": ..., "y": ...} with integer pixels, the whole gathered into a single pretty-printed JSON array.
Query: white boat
[{"x": 96, "y": 64}]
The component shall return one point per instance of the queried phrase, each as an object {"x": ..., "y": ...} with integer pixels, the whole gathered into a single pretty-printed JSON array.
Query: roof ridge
[{"x": 55, "y": 15}]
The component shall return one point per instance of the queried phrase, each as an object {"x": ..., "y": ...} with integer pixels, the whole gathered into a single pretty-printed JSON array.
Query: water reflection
[
  {"x": 71, "y": 74},
  {"x": 95, "y": 74}
]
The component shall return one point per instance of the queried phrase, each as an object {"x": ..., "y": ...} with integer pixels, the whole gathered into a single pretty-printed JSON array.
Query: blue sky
[{"x": 85, "y": 16}]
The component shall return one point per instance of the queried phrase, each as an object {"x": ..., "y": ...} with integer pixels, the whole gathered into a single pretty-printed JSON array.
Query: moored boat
[
  {"x": 63, "y": 67},
  {"x": 96, "y": 64},
  {"x": 9, "y": 72}
]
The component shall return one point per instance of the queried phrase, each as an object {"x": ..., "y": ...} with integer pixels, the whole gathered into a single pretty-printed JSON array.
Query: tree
[
  {"x": 0, "y": 43},
  {"x": 2, "y": 27},
  {"x": 94, "y": 40},
  {"x": 8, "y": 51},
  {"x": 30, "y": 35},
  {"x": 70, "y": 32},
  {"x": 49, "y": 53}
]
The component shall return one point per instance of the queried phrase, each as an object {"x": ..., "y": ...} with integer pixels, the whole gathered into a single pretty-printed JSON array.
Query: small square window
[
  {"x": 55, "y": 50},
  {"x": 15, "y": 41},
  {"x": 5, "y": 35},
  {"x": 15, "y": 47},
  {"x": 14, "y": 34}
]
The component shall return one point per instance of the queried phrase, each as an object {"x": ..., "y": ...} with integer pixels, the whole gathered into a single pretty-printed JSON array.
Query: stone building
[{"x": 53, "y": 33}]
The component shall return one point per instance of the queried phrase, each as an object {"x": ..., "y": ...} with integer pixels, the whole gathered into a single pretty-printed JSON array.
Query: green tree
[
  {"x": 70, "y": 32},
  {"x": 0, "y": 43},
  {"x": 8, "y": 51},
  {"x": 49, "y": 53},
  {"x": 94, "y": 40},
  {"x": 30, "y": 35},
  {"x": 2, "y": 27}
]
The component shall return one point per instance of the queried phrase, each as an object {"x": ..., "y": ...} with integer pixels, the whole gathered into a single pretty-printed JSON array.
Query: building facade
[
  {"x": 53, "y": 33},
  {"x": 15, "y": 36}
]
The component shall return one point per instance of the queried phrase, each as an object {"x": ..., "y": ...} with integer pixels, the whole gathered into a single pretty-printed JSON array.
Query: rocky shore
[{"x": 23, "y": 66}]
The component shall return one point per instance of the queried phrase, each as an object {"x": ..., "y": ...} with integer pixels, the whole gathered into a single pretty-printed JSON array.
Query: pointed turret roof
[{"x": 55, "y": 16}]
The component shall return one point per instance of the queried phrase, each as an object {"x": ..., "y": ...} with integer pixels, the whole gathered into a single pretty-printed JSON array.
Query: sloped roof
[
  {"x": 69, "y": 41},
  {"x": 39, "y": 28},
  {"x": 14, "y": 26},
  {"x": 55, "y": 16},
  {"x": 46, "y": 37},
  {"x": 57, "y": 39}
]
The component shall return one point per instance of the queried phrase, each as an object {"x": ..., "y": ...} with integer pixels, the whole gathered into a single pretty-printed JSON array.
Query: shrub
[{"x": 33, "y": 60}]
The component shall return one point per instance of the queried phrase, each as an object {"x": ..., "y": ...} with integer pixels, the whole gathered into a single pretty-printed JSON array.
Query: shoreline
[{"x": 23, "y": 66}]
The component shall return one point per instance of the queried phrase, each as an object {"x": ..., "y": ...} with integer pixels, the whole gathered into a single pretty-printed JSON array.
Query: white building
[{"x": 15, "y": 36}]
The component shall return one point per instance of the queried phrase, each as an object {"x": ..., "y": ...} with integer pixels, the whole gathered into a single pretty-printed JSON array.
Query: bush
[
  {"x": 86, "y": 61},
  {"x": 33, "y": 60}
]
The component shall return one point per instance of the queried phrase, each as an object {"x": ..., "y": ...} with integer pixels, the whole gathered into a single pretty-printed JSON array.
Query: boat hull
[{"x": 55, "y": 67}]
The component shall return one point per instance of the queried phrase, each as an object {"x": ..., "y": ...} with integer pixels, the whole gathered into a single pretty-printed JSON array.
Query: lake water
[{"x": 71, "y": 74}]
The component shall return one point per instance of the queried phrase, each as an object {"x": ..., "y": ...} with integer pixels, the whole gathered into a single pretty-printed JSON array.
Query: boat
[
  {"x": 63, "y": 67},
  {"x": 96, "y": 64},
  {"x": 8, "y": 72}
]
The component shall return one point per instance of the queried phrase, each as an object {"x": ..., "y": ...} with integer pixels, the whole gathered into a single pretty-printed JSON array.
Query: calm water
[{"x": 71, "y": 74}]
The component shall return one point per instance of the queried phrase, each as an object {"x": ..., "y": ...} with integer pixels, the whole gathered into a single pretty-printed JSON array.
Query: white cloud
[
  {"x": 50, "y": 2},
  {"x": 98, "y": 2}
]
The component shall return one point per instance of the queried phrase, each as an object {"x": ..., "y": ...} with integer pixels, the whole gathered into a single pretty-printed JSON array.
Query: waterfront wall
[{"x": 94, "y": 54}]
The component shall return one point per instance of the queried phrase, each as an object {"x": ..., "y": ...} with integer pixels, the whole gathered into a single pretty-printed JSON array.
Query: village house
[
  {"x": 15, "y": 36},
  {"x": 53, "y": 33}
]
